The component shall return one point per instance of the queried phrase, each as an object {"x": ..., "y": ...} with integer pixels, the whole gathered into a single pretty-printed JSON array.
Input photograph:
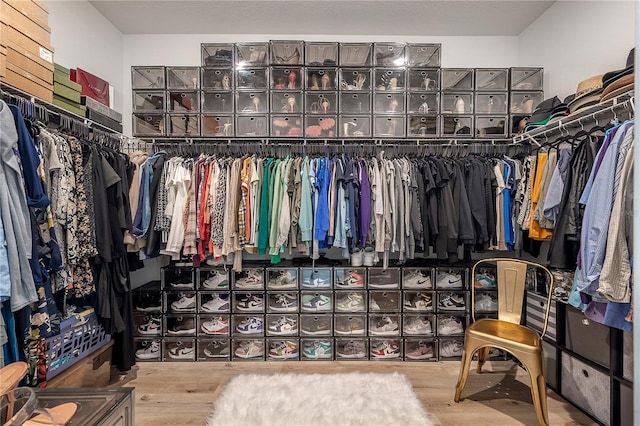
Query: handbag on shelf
[{"x": 92, "y": 86}]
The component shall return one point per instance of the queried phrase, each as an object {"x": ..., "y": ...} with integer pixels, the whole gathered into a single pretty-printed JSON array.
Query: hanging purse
[{"x": 92, "y": 86}]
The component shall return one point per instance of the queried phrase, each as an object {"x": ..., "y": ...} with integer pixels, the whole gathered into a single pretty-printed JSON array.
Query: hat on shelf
[
  {"x": 618, "y": 87},
  {"x": 587, "y": 93},
  {"x": 611, "y": 76},
  {"x": 544, "y": 111}
]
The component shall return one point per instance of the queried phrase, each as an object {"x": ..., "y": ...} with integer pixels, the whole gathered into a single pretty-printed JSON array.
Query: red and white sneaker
[{"x": 386, "y": 349}]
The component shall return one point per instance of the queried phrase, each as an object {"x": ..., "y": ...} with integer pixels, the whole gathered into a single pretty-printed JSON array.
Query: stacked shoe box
[
  {"x": 27, "y": 54},
  {"x": 289, "y": 313},
  {"x": 491, "y": 100},
  {"x": 423, "y": 86},
  {"x": 66, "y": 93},
  {"x": 102, "y": 114},
  {"x": 149, "y": 101},
  {"x": 525, "y": 90}
]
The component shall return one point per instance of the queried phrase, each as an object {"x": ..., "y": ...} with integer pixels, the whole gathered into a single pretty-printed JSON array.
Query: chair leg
[
  {"x": 538, "y": 389},
  {"x": 483, "y": 354},
  {"x": 465, "y": 365}
]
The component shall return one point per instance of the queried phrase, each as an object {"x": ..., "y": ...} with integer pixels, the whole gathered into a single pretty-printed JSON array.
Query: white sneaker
[
  {"x": 451, "y": 348},
  {"x": 418, "y": 325},
  {"x": 385, "y": 325},
  {"x": 444, "y": 280},
  {"x": 485, "y": 302},
  {"x": 152, "y": 327},
  {"x": 353, "y": 302},
  {"x": 416, "y": 279},
  {"x": 218, "y": 303},
  {"x": 150, "y": 352},
  {"x": 387, "y": 349},
  {"x": 449, "y": 326},
  {"x": 451, "y": 302},
  {"x": 316, "y": 282},
  {"x": 250, "y": 349},
  {"x": 185, "y": 304},
  {"x": 216, "y": 326},
  {"x": 253, "y": 280},
  {"x": 182, "y": 352},
  {"x": 283, "y": 326},
  {"x": 217, "y": 279}
]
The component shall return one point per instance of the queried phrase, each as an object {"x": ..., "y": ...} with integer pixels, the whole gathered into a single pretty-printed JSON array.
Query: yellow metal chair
[{"x": 506, "y": 332}]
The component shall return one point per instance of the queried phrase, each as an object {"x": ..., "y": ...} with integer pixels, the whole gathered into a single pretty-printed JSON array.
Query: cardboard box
[
  {"x": 3, "y": 65},
  {"x": 26, "y": 26},
  {"x": 69, "y": 106},
  {"x": 65, "y": 92},
  {"x": 41, "y": 5},
  {"x": 31, "y": 10},
  {"x": 26, "y": 82},
  {"x": 29, "y": 65},
  {"x": 42, "y": 54}
]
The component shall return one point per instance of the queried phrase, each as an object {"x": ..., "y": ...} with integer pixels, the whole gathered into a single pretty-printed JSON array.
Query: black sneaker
[
  {"x": 182, "y": 326},
  {"x": 149, "y": 303}
]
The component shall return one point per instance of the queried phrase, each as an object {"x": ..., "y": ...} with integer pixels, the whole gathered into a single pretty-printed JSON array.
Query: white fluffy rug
[{"x": 318, "y": 399}]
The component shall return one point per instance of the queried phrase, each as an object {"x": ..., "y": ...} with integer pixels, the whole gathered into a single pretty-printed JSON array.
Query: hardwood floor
[{"x": 183, "y": 393}]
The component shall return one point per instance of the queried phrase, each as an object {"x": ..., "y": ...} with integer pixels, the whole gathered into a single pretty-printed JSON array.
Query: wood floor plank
[{"x": 183, "y": 393}]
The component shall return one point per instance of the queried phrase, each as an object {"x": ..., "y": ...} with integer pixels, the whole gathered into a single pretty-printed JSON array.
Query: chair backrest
[{"x": 510, "y": 278}]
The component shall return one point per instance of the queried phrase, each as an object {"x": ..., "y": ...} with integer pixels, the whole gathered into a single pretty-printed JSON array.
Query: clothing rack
[
  {"x": 38, "y": 109},
  {"x": 623, "y": 105}
]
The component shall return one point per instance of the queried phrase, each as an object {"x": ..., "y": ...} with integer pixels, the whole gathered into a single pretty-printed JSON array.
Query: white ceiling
[{"x": 353, "y": 17}]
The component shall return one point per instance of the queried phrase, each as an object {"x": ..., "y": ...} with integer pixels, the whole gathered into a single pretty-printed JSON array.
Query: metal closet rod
[
  {"x": 580, "y": 118},
  {"x": 10, "y": 90},
  {"x": 327, "y": 142}
]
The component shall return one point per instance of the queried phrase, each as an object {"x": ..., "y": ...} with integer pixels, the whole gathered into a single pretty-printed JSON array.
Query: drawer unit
[
  {"x": 550, "y": 364},
  {"x": 451, "y": 278},
  {"x": 350, "y": 278},
  {"x": 182, "y": 349},
  {"x": 535, "y": 309},
  {"x": 321, "y": 103},
  {"x": 252, "y": 102},
  {"x": 252, "y": 126},
  {"x": 587, "y": 337},
  {"x": 247, "y": 325},
  {"x": 286, "y": 126},
  {"x": 526, "y": 79},
  {"x": 491, "y": 103},
  {"x": 492, "y": 80},
  {"x": 149, "y": 101},
  {"x": 287, "y": 103},
  {"x": 491, "y": 127},
  {"x": 321, "y": 126},
  {"x": 355, "y": 103},
  {"x": 214, "y": 349},
  {"x": 184, "y": 124},
  {"x": 384, "y": 324},
  {"x": 423, "y": 126},
  {"x": 423, "y": 103},
  {"x": 380, "y": 278},
  {"x": 180, "y": 325},
  {"x": 282, "y": 279},
  {"x": 321, "y": 79},
  {"x": 452, "y": 302},
  {"x": 183, "y": 101},
  {"x": 287, "y": 78},
  {"x": 388, "y": 126},
  {"x": 287, "y": 52},
  {"x": 350, "y": 325},
  {"x": 451, "y": 325},
  {"x": 252, "y": 79},
  {"x": 252, "y": 302},
  {"x": 318, "y": 278},
  {"x": 355, "y": 79},
  {"x": 148, "y": 325},
  {"x": 385, "y": 301},
  {"x": 316, "y": 349},
  {"x": 586, "y": 387},
  {"x": 352, "y": 349},
  {"x": 214, "y": 325},
  {"x": 389, "y": 79},
  {"x": 456, "y": 79},
  {"x": 217, "y": 79},
  {"x": 215, "y": 125},
  {"x": 320, "y": 53},
  {"x": 420, "y": 350},
  {"x": 180, "y": 302},
  {"x": 147, "y": 77},
  {"x": 282, "y": 302},
  {"x": 389, "y": 103},
  {"x": 355, "y": 54},
  {"x": 248, "y": 279},
  {"x": 423, "y": 54},
  {"x": 217, "y": 54},
  {"x": 247, "y": 349},
  {"x": 418, "y": 301},
  {"x": 456, "y": 103},
  {"x": 423, "y": 80},
  {"x": 183, "y": 78},
  {"x": 418, "y": 324},
  {"x": 316, "y": 301},
  {"x": 456, "y": 125},
  {"x": 149, "y": 125},
  {"x": 450, "y": 348},
  {"x": 148, "y": 348},
  {"x": 351, "y": 301},
  {"x": 316, "y": 325},
  {"x": 389, "y": 54},
  {"x": 283, "y": 349},
  {"x": 523, "y": 103},
  {"x": 218, "y": 102},
  {"x": 252, "y": 54},
  {"x": 385, "y": 349},
  {"x": 282, "y": 325},
  {"x": 355, "y": 126}
]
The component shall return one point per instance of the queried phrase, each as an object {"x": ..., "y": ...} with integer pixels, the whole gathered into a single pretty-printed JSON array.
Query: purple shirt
[{"x": 365, "y": 203}]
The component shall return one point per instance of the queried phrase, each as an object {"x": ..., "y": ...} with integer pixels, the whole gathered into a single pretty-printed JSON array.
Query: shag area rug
[{"x": 318, "y": 399}]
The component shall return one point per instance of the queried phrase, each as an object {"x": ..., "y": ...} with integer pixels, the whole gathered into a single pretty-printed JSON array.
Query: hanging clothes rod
[
  {"x": 8, "y": 90},
  {"x": 604, "y": 110},
  {"x": 328, "y": 142}
]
